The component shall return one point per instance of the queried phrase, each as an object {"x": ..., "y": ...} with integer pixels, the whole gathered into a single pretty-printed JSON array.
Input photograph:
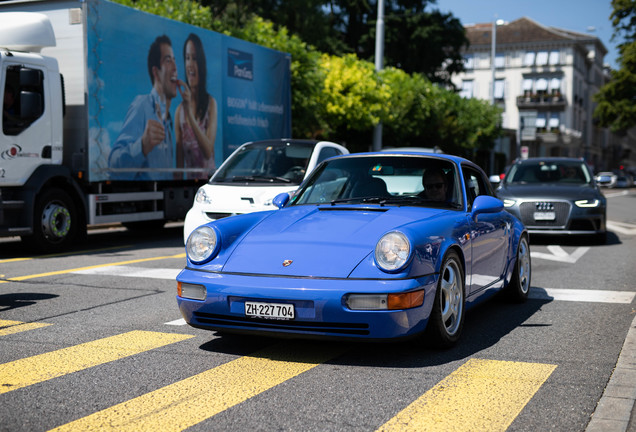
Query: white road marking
[
  {"x": 559, "y": 294},
  {"x": 582, "y": 295},
  {"x": 178, "y": 322},
  {"x": 557, "y": 253},
  {"x": 131, "y": 271},
  {"x": 621, "y": 227}
]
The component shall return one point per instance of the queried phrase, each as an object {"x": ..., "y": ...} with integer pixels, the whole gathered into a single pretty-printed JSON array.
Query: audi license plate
[
  {"x": 544, "y": 216},
  {"x": 281, "y": 311}
]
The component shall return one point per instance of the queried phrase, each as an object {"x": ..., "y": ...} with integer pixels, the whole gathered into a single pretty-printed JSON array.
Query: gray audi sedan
[{"x": 555, "y": 196}]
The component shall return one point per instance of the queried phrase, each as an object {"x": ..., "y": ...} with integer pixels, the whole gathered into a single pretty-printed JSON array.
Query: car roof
[
  {"x": 549, "y": 159},
  {"x": 457, "y": 159}
]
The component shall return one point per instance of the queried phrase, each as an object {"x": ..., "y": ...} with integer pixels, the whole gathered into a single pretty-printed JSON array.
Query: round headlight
[
  {"x": 202, "y": 244},
  {"x": 392, "y": 251}
]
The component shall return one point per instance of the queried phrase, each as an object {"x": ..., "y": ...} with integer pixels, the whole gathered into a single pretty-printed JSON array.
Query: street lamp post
[{"x": 379, "y": 59}]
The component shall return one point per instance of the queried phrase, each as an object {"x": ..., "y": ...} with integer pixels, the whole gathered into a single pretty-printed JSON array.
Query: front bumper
[
  {"x": 568, "y": 218},
  {"x": 320, "y": 310}
]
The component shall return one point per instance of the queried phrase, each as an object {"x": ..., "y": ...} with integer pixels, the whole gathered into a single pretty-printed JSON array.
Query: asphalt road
[{"x": 93, "y": 339}]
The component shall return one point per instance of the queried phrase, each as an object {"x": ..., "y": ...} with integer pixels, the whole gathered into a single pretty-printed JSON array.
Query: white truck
[{"x": 95, "y": 103}]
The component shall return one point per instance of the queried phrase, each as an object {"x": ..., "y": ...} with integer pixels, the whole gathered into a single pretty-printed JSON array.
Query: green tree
[
  {"x": 616, "y": 100},
  {"x": 342, "y": 97},
  {"x": 187, "y": 11}
]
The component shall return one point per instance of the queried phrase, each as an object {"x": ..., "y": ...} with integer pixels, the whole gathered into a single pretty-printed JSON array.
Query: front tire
[
  {"x": 447, "y": 316},
  {"x": 519, "y": 286},
  {"x": 55, "y": 222}
]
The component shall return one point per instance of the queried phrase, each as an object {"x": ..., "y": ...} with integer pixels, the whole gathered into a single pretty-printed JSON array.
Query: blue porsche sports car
[{"x": 371, "y": 246}]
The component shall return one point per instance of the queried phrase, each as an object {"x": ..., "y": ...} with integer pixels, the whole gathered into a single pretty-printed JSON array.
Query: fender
[{"x": 46, "y": 176}]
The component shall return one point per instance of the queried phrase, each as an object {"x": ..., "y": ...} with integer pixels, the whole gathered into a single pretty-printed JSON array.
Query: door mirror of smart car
[
  {"x": 494, "y": 180},
  {"x": 280, "y": 200},
  {"x": 486, "y": 204}
]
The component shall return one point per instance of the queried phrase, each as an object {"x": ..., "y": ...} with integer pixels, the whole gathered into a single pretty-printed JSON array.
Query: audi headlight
[
  {"x": 392, "y": 251},
  {"x": 202, "y": 245},
  {"x": 201, "y": 197},
  {"x": 587, "y": 203},
  {"x": 508, "y": 202}
]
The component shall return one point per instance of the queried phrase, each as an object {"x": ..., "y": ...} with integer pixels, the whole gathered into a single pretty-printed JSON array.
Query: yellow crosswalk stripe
[
  {"x": 482, "y": 395},
  {"x": 192, "y": 400},
  {"x": 32, "y": 370},
  {"x": 8, "y": 327}
]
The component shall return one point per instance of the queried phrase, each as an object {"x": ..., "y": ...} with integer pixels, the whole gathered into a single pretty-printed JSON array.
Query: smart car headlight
[
  {"x": 202, "y": 245},
  {"x": 202, "y": 197},
  {"x": 587, "y": 203},
  {"x": 392, "y": 251},
  {"x": 508, "y": 202}
]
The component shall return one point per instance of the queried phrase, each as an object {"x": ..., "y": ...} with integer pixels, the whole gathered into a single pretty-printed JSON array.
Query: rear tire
[
  {"x": 55, "y": 222},
  {"x": 447, "y": 316},
  {"x": 519, "y": 286}
]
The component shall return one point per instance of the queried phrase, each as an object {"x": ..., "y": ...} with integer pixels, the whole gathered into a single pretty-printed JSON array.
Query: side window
[
  {"x": 475, "y": 185},
  {"x": 23, "y": 99},
  {"x": 326, "y": 153}
]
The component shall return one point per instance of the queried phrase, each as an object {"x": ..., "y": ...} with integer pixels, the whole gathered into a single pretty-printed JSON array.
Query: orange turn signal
[{"x": 405, "y": 300}]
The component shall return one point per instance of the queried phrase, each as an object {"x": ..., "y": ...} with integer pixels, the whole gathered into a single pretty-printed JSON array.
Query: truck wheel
[{"x": 54, "y": 222}]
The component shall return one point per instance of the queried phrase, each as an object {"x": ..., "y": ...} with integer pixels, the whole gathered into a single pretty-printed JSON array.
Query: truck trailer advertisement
[{"x": 144, "y": 76}]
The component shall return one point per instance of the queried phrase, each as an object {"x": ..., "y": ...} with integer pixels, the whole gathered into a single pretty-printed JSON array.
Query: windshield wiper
[{"x": 254, "y": 178}]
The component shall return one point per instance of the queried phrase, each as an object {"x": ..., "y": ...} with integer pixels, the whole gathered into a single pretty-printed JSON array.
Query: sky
[{"x": 584, "y": 16}]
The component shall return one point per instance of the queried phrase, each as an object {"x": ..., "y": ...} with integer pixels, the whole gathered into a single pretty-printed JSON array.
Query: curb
[{"x": 614, "y": 409}]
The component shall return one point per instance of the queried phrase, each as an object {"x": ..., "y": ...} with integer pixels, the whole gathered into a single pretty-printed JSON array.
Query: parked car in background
[
  {"x": 606, "y": 179},
  {"x": 253, "y": 175},
  {"x": 624, "y": 181},
  {"x": 555, "y": 196},
  {"x": 372, "y": 246}
]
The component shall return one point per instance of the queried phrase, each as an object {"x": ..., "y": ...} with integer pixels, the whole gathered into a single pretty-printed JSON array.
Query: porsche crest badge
[{"x": 287, "y": 263}]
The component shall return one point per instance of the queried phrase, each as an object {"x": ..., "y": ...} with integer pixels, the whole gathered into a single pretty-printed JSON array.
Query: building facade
[{"x": 544, "y": 79}]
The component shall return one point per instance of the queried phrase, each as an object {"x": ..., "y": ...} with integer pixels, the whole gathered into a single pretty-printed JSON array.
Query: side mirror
[
  {"x": 494, "y": 180},
  {"x": 280, "y": 200},
  {"x": 486, "y": 204},
  {"x": 30, "y": 105}
]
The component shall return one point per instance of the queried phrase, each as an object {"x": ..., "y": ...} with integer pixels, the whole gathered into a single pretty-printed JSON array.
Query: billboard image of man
[{"x": 144, "y": 149}]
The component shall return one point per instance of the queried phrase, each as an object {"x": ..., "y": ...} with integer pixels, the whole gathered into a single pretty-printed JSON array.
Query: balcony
[{"x": 541, "y": 101}]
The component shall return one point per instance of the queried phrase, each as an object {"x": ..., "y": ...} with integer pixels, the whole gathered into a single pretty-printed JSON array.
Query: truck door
[{"x": 26, "y": 130}]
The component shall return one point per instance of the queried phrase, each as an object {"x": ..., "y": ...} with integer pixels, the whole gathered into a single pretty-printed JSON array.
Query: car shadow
[
  {"x": 18, "y": 300},
  {"x": 485, "y": 325},
  {"x": 573, "y": 240}
]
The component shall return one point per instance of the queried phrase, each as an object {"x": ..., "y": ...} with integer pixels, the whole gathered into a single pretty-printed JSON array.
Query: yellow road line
[
  {"x": 482, "y": 395},
  {"x": 8, "y": 327},
  {"x": 58, "y": 272},
  {"x": 194, "y": 399},
  {"x": 32, "y": 370},
  {"x": 62, "y": 254}
]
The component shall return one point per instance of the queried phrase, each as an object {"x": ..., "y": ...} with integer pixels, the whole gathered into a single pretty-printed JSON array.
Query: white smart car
[{"x": 253, "y": 175}]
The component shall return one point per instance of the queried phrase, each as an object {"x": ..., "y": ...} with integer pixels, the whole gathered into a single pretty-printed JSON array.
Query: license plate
[
  {"x": 280, "y": 311},
  {"x": 544, "y": 216}
]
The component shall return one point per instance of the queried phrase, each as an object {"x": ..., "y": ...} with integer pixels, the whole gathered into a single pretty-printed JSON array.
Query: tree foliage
[
  {"x": 617, "y": 99},
  {"x": 343, "y": 97}
]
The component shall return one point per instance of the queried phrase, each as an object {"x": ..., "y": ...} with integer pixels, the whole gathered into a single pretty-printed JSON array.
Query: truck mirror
[
  {"x": 30, "y": 77},
  {"x": 30, "y": 105}
]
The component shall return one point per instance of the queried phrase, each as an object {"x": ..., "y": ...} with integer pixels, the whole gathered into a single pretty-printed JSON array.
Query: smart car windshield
[
  {"x": 267, "y": 162},
  {"x": 562, "y": 172},
  {"x": 383, "y": 180}
]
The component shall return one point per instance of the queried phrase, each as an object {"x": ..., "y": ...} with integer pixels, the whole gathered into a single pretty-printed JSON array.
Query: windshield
[
  {"x": 267, "y": 162},
  {"x": 384, "y": 180},
  {"x": 562, "y": 172}
]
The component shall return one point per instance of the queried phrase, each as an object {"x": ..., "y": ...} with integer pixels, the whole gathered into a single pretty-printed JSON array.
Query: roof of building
[{"x": 526, "y": 30}]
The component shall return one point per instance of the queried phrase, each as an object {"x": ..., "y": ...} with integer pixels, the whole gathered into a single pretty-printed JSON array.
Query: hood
[
  {"x": 240, "y": 198},
  {"x": 546, "y": 191},
  {"x": 319, "y": 241}
]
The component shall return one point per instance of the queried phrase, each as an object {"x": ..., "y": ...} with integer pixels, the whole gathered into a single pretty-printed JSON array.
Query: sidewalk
[{"x": 617, "y": 405}]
